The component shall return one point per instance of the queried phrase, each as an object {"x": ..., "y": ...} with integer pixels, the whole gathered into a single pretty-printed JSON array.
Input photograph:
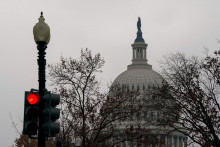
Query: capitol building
[{"x": 140, "y": 76}]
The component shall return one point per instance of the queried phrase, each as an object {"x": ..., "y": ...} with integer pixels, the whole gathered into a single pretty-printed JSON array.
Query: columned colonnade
[
  {"x": 170, "y": 141},
  {"x": 139, "y": 53}
]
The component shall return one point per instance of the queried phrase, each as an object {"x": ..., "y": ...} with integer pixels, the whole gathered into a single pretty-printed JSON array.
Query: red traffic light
[{"x": 32, "y": 98}]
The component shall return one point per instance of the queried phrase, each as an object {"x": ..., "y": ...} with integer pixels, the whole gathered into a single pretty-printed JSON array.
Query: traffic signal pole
[{"x": 42, "y": 81}]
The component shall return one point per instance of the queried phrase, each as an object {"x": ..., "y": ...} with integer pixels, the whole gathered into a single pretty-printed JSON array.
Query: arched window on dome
[
  {"x": 158, "y": 115},
  {"x": 125, "y": 116},
  {"x": 128, "y": 88},
  {"x": 149, "y": 87},
  {"x": 152, "y": 116},
  {"x": 143, "y": 87},
  {"x": 138, "y": 87},
  {"x": 163, "y": 116},
  {"x": 145, "y": 115},
  {"x": 138, "y": 116},
  {"x": 131, "y": 116},
  {"x": 132, "y": 87}
]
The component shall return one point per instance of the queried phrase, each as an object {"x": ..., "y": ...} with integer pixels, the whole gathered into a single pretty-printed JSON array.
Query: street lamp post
[{"x": 42, "y": 37}]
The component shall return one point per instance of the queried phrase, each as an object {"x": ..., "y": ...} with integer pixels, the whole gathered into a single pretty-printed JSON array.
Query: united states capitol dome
[{"x": 139, "y": 74}]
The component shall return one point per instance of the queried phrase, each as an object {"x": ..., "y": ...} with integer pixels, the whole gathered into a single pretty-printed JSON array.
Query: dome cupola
[{"x": 139, "y": 74}]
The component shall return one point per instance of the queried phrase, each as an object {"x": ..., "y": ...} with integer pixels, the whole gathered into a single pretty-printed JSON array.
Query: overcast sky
[{"x": 104, "y": 26}]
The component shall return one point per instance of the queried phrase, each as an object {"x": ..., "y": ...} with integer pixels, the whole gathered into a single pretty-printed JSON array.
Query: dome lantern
[
  {"x": 139, "y": 48},
  {"x": 139, "y": 74}
]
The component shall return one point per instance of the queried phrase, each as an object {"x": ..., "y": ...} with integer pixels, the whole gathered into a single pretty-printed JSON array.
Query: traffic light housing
[
  {"x": 51, "y": 114},
  {"x": 31, "y": 113}
]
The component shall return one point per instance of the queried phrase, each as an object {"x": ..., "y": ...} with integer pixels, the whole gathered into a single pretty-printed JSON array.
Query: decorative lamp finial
[{"x": 41, "y": 14}]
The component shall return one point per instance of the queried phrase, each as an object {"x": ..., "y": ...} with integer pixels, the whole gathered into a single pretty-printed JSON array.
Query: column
[
  {"x": 141, "y": 49},
  {"x": 172, "y": 141},
  {"x": 185, "y": 142},
  {"x": 180, "y": 142},
  {"x": 165, "y": 139},
  {"x": 133, "y": 53},
  {"x": 126, "y": 143},
  {"x": 177, "y": 141}
]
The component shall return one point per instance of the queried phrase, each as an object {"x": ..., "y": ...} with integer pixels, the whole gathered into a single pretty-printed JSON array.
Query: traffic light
[
  {"x": 31, "y": 113},
  {"x": 51, "y": 114}
]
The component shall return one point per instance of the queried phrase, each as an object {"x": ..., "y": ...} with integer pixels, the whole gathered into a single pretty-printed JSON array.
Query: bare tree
[
  {"x": 25, "y": 141},
  {"x": 192, "y": 88},
  {"x": 85, "y": 111},
  {"x": 79, "y": 89}
]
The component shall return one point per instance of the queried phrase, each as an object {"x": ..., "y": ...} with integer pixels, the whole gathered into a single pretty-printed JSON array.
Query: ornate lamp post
[{"x": 42, "y": 37}]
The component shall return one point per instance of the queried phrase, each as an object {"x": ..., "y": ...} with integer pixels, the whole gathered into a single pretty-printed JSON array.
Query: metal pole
[{"x": 42, "y": 80}]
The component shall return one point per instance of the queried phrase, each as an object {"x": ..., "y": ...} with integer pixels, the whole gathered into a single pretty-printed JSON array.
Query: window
[
  {"x": 152, "y": 116},
  {"x": 158, "y": 115},
  {"x": 125, "y": 116},
  {"x": 145, "y": 115},
  {"x": 131, "y": 116},
  {"x": 138, "y": 116}
]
